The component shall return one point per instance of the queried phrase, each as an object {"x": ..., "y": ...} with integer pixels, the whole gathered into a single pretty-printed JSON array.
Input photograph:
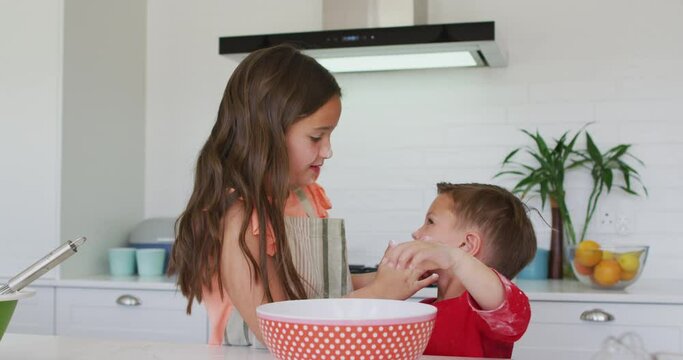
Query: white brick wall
[{"x": 617, "y": 64}]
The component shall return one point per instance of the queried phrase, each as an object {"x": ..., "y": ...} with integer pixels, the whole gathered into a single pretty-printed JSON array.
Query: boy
[{"x": 475, "y": 237}]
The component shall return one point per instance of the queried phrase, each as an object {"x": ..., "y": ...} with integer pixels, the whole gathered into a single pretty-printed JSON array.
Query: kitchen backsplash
[
  {"x": 391, "y": 149},
  {"x": 401, "y": 132}
]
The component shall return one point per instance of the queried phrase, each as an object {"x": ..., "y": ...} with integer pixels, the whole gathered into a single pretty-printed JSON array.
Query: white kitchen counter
[
  {"x": 645, "y": 291},
  {"x": 654, "y": 291},
  {"x": 39, "y": 347},
  {"x": 113, "y": 282},
  {"x": 110, "y": 282}
]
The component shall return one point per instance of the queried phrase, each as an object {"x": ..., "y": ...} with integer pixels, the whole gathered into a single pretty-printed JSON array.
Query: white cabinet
[
  {"x": 557, "y": 331},
  {"x": 652, "y": 309},
  {"x": 35, "y": 315},
  {"x": 157, "y": 315},
  {"x": 110, "y": 308}
]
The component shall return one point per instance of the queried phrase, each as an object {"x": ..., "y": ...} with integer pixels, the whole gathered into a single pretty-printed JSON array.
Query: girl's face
[
  {"x": 308, "y": 143},
  {"x": 441, "y": 224}
]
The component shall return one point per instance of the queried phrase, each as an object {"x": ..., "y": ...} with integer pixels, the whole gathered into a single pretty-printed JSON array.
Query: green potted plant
[
  {"x": 544, "y": 174},
  {"x": 603, "y": 168}
]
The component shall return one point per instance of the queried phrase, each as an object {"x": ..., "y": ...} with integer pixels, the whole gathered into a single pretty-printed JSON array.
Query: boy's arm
[
  {"x": 510, "y": 320},
  {"x": 477, "y": 278},
  {"x": 480, "y": 281},
  {"x": 502, "y": 307}
]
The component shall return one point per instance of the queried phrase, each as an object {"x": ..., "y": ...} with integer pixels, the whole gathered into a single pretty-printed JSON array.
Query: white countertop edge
[
  {"x": 616, "y": 298},
  {"x": 653, "y": 291},
  {"x": 109, "y": 282},
  {"x": 45, "y": 347}
]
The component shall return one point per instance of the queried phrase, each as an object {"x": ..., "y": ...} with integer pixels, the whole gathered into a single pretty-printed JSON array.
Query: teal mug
[
  {"x": 538, "y": 267},
  {"x": 151, "y": 261},
  {"x": 122, "y": 261}
]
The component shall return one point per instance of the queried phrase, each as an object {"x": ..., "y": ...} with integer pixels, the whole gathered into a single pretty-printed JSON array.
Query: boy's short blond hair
[{"x": 508, "y": 235}]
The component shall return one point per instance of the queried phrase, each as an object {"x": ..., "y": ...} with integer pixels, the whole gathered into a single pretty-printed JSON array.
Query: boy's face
[{"x": 441, "y": 225}]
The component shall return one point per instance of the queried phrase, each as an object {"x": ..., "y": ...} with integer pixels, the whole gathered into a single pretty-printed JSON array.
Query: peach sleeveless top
[{"x": 304, "y": 214}]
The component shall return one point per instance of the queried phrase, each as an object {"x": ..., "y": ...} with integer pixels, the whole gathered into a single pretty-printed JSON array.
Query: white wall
[
  {"x": 103, "y": 127},
  {"x": 186, "y": 78},
  {"x": 30, "y": 118},
  {"x": 617, "y": 63}
]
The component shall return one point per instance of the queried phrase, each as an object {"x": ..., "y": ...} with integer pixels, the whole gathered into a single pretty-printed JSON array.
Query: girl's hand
[
  {"x": 400, "y": 284},
  {"x": 389, "y": 282}
]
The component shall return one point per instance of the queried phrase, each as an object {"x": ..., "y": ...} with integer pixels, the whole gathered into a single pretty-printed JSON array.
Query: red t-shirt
[{"x": 463, "y": 329}]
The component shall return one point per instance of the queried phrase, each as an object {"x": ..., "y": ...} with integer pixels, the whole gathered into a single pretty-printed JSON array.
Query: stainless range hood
[{"x": 378, "y": 48}]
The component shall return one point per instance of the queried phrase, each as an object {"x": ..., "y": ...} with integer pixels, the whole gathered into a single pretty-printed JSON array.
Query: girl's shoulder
[
  {"x": 234, "y": 217},
  {"x": 315, "y": 194},
  {"x": 319, "y": 196}
]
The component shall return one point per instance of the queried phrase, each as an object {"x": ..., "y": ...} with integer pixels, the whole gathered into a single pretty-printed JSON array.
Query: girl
[{"x": 252, "y": 230}]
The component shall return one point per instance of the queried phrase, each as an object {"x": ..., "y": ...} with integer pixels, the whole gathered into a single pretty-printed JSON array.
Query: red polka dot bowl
[{"x": 346, "y": 329}]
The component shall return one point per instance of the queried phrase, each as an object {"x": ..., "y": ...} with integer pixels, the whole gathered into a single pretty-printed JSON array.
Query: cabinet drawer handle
[
  {"x": 597, "y": 315},
  {"x": 128, "y": 300}
]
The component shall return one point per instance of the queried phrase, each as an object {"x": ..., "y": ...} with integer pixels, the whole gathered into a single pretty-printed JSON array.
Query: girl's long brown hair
[{"x": 245, "y": 159}]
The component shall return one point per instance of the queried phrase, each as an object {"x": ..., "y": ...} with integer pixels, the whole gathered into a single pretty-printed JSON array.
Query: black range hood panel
[{"x": 477, "y": 37}]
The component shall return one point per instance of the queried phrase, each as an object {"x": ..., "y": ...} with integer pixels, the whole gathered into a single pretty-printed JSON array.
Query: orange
[
  {"x": 583, "y": 270},
  {"x": 607, "y": 273},
  {"x": 628, "y": 275},
  {"x": 588, "y": 253}
]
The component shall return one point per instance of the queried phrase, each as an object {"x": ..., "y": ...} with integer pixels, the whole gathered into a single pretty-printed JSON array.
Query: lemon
[
  {"x": 607, "y": 255},
  {"x": 629, "y": 262}
]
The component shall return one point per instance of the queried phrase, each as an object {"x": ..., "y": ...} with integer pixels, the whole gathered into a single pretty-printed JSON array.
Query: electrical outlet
[
  {"x": 605, "y": 222},
  {"x": 623, "y": 224}
]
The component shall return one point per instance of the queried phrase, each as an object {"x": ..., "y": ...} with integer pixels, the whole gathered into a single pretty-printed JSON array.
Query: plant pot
[{"x": 555, "y": 260}]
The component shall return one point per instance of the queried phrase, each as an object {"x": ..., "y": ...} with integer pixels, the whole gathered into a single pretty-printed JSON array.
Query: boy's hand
[
  {"x": 393, "y": 283},
  {"x": 482, "y": 283},
  {"x": 400, "y": 284},
  {"x": 424, "y": 255}
]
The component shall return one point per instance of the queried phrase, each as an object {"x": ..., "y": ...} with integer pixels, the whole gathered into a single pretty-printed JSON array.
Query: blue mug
[{"x": 538, "y": 267}]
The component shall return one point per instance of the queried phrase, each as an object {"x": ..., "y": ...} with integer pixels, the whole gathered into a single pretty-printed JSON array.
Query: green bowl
[{"x": 7, "y": 305}]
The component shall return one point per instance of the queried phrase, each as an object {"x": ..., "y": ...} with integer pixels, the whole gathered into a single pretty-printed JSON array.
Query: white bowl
[
  {"x": 349, "y": 329},
  {"x": 7, "y": 305}
]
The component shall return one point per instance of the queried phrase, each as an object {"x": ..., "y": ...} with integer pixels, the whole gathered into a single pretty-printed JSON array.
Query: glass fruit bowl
[{"x": 607, "y": 266}]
